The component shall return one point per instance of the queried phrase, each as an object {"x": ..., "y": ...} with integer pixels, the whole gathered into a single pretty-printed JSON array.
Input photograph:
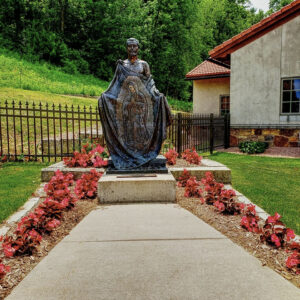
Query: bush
[
  {"x": 171, "y": 156},
  {"x": 275, "y": 233},
  {"x": 191, "y": 156},
  {"x": 251, "y": 147},
  {"x": 86, "y": 186},
  {"x": 91, "y": 155}
]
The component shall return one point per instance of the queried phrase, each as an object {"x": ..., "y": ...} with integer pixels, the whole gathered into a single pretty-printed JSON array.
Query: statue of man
[{"x": 134, "y": 115}]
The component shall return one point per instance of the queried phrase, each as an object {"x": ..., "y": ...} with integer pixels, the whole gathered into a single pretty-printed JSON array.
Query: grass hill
[{"x": 21, "y": 80}]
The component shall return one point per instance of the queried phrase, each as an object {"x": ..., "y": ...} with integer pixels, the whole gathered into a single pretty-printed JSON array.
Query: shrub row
[
  {"x": 273, "y": 232},
  {"x": 91, "y": 155},
  {"x": 47, "y": 216},
  {"x": 190, "y": 155}
]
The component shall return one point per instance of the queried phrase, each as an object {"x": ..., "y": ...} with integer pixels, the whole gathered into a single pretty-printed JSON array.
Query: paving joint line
[{"x": 147, "y": 240}]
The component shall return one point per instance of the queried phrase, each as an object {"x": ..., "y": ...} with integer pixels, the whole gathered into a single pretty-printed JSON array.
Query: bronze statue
[{"x": 133, "y": 113}]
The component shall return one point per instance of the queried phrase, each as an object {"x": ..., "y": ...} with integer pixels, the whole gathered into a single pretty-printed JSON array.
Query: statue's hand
[{"x": 120, "y": 61}]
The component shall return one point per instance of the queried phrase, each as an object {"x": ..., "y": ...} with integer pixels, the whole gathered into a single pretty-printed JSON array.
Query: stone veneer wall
[{"x": 275, "y": 137}]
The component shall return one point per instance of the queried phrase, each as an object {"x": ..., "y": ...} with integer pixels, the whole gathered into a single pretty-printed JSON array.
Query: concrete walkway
[{"x": 150, "y": 251}]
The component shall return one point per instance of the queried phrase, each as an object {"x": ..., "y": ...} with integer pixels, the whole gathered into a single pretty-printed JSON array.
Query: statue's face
[
  {"x": 132, "y": 49},
  {"x": 131, "y": 87}
]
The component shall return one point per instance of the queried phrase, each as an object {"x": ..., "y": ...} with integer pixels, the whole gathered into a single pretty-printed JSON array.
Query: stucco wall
[
  {"x": 256, "y": 72},
  {"x": 206, "y": 94}
]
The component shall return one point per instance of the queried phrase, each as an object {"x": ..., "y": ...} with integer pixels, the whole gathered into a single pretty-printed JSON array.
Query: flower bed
[
  {"x": 269, "y": 240},
  {"x": 91, "y": 155},
  {"x": 189, "y": 157},
  {"x": 28, "y": 241}
]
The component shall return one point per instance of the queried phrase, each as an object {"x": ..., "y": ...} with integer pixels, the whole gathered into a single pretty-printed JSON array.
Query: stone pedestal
[{"x": 136, "y": 188}]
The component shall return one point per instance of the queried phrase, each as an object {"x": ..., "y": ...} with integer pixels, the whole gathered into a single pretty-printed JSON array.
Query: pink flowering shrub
[
  {"x": 3, "y": 269},
  {"x": 275, "y": 233},
  {"x": 192, "y": 188},
  {"x": 226, "y": 203},
  {"x": 191, "y": 156},
  {"x": 171, "y": 156},
  {"x": 293, "y": 261},
  {"x": 250, "y": 220},
  {"x": 21, "y": 244},
  {"x": 86, "y": 186},
  {"x": 212, "y": 188},
  {"x": 57, "y": 189},
  {"x": 89, "y": 156},
  {"x": 45, "y": 218},
  {"x": 185, "y": 176}
]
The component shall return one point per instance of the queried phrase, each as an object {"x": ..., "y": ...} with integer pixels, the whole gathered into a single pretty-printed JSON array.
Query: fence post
[
  {"x": 179, "y": 133},
  {"x": 226, "y": 131},
  {"x": 211, "y": 135}
]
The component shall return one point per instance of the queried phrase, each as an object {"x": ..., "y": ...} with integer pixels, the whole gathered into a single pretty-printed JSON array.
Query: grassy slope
[
  {"x": 18, "y": 73},
  {"x": 271, "y": 183},
  {"x": 17, "y": 95},
  {"x": 17, "y": 182},
  {"x": 21, "y": 80}
]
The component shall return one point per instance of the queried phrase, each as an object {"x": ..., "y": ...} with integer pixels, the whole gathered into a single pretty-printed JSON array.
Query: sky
[{"x": 261, "y": 4}]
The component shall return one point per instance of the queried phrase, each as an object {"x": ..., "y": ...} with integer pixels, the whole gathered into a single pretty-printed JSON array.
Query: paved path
[{"x": 150, "y": 251}]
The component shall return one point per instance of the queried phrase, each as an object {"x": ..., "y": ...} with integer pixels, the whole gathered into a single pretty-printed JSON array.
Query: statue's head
[{"x": 132, "y": 47}]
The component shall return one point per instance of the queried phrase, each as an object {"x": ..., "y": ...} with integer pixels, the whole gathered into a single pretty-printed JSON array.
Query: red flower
[
  {"x": 293, "y": 260},
  {"x": 8, "y": 250},
  {"x": 3, "y": 270},
  {"x": 171, "y": 156},
  {"x": 275, "y": 240},
  {"x": 289, "y": 234}
]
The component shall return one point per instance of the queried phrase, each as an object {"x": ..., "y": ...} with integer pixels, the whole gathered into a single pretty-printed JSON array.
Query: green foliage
[
  {"x": 85, "y": 36},
  {"x": 275, "y": 5},
  {"x": 180, "y": 105},
  {"x": 252, "y": 147}
]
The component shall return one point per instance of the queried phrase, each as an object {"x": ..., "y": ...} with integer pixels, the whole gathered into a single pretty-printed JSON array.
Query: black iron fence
[
  {"x": 202, "y": 132},
  {"x": 51, "y": 132}
]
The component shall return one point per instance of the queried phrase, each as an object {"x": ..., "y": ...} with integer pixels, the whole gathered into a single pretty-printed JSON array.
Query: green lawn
[
  {"x": 271, "y": 183},
  {"x": 17, "y": 182}
]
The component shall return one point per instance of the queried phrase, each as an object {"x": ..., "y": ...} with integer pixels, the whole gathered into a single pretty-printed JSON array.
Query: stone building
[{"x": 256, "y": 77}]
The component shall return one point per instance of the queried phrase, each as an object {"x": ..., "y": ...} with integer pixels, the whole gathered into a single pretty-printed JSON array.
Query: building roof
[
  {"x": 208, "y": 69},
  {"x": 278, "y": 18}
]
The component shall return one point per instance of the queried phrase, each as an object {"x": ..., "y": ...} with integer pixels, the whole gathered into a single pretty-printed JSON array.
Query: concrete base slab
[
  {"x": 136, "y": 188},
  {"x": 158, "y": 264},
  {"x": 48, "y": 172},
  {"x": 220, "y": 172}
]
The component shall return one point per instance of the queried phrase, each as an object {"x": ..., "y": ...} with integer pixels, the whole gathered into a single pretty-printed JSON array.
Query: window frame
[
  {"x": 220, "y": 103},
  {"x": 281, "y": 97}
]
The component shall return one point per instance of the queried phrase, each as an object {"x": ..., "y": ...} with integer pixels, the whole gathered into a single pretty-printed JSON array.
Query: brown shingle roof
[
  {"x": 278, "y": 18},
  {"x": 208, "y": 69}
]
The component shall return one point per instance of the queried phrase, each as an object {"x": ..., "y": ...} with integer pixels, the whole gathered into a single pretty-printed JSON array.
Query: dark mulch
[{"x": 230, "y": 226}]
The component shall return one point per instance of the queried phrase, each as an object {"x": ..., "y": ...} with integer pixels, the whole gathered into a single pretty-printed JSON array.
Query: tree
[{"x": 275, "y": 5}]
